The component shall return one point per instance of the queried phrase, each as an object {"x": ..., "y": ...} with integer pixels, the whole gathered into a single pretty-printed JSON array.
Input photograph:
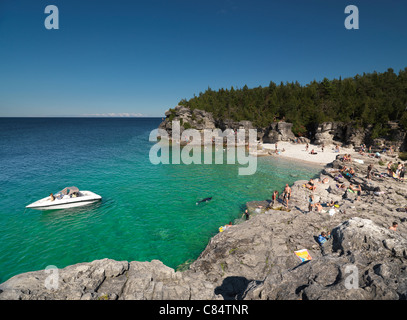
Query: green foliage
[
  {"x": 403, "y": 156},
  {"x": 372, "y": 98},
  {"x": 187, "y": 125},
  {"x": 172, "y": 114}
]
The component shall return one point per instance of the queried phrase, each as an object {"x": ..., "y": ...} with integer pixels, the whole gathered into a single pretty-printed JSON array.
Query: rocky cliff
[
  {"x": 255, "y": 259},
  {"x": 347, "y": 134},
  {"x": 327, "y": 133}
]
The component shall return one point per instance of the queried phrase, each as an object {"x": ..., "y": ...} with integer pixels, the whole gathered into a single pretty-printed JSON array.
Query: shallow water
[{"x": 147, "y": 212}]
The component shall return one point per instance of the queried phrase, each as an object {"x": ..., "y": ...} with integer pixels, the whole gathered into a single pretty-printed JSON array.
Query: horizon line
[{"x": 87, "y": 117}]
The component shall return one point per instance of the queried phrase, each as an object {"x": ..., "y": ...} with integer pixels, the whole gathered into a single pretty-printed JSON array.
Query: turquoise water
[{"x": 147, "y": 212}]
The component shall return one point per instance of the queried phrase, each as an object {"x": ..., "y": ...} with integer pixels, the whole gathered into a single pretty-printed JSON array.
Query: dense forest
[{"x": 372, "y": 98}]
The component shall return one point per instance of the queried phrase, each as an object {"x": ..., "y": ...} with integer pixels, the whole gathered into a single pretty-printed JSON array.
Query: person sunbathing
[
  {"x": 357, "y": 189},
  {"x": 349, "y": 173},
  {"x": 318, "y": 206},
  {"x": 311, "y": 185},
  {"x": 325, "y": 180}
]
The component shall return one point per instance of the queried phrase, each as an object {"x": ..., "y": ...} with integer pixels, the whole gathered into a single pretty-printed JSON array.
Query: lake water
[{"x": 147, "y": 211}]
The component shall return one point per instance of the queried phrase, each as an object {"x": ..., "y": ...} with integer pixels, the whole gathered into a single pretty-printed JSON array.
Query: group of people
[
  {"x": 363, "y": 150},
  {"x": 276, "y": 151},
  {"x": 347, "y": 158},
  {"x": 286, "y": 196},
  {"x": 397, "y": 173},
  {"x": 318, "y": 206},
  {"x": 348, "y": 172},
  {"x": 400, "y": 171}
]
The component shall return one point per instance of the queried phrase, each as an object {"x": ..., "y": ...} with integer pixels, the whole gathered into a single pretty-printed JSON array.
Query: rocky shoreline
[
  {"x": 326, "y": 133},
  {"x": 255, "y": 259}
]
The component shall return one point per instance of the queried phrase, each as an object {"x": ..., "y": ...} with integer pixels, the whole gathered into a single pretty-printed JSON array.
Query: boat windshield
[{"x": 68, "y": 191}]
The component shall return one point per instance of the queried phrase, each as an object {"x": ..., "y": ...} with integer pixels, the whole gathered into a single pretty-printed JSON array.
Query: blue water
[{"x": 147, "y": 212}]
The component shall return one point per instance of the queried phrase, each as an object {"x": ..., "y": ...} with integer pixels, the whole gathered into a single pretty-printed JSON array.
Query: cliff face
[
  {"x": 348, "y": 135},
  {"x": 327, "y": 133},
  {"x": 255, "y": 259}
]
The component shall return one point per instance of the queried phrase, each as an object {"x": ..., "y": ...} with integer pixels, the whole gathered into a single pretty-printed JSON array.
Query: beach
[{"x": 297, "y": 151}]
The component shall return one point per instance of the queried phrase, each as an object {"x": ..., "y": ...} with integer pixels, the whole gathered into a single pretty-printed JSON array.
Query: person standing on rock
[
  {"x": 402, "y": 172},
  {"x": 310, "y": 203},
  {"x": 389, "y": 170},
  {"x": 369, "y": 170},
  {"x": 274, "y": 197},
  {"x": 287, "y": 195}
]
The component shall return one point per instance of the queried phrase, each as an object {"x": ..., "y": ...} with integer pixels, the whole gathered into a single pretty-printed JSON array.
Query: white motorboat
[{"x": 70, "y": 197}]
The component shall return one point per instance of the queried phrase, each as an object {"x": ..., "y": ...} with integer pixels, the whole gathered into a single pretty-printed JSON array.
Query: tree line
[{"x": 368, "y": 99}]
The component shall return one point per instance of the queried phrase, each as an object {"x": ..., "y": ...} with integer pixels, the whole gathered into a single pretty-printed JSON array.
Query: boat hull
[{"x": 47, "y": 204}]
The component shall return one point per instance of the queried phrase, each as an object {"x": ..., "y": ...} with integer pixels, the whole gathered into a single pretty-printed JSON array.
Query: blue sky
[{"x": 130, "y": 57}]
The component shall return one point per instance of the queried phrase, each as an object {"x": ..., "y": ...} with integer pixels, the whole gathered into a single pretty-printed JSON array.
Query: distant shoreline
[
  {"x": 297, "y": 152},
  {"x": 74, "y": 117}
]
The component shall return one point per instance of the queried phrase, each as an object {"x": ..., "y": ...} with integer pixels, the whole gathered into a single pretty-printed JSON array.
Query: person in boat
[{"x": 51, "y": 196}]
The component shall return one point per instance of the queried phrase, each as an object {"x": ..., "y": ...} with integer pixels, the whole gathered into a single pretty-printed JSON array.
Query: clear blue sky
[{"x": 143, "y": 57}]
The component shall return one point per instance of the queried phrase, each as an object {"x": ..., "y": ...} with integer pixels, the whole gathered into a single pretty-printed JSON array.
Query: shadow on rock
[{"x": 236, "y": 288}]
